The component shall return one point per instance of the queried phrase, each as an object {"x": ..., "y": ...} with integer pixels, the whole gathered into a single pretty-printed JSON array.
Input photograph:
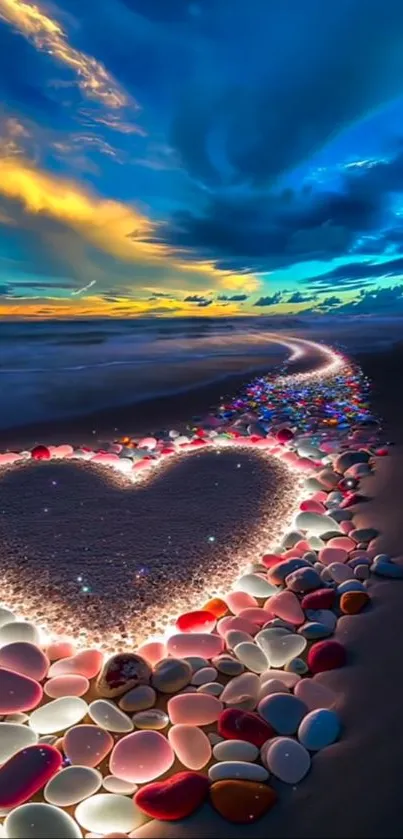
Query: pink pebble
[
  {"x": 141, "y": 757},
  {"x": 194, "y": 709},
  {"x": 191, "y": 746},
  {"x": 314, "y": 694},
  {"x": 87, "y": 745},
  {"x": 239, "y": 600},
  {"x": 312, "y": 506},
  {"x": 270, "y": 560},
  {"x": 26, "y": 658},
  {"x": 329, "y": 555},
  {"x": 290, "y": 554},
  {"x": 320, "y": 496},
  {"x": 153, "y": 652},
  {"x": 69, "y": 685},
  {"x": 18, "y": 692},
  {"x": 197, "y": 643},
  {"x": 346, "y": 527},
  {"x": 255, "y": 615},
  {"x": 302, "y": 547},
  {"x": 342, "y": 542},
  {"x": 286, "y": 606},
  {"x": 225, "y": 624},
  {"x": 86, "y": 663},
  {"x": 60, "y": 649}
]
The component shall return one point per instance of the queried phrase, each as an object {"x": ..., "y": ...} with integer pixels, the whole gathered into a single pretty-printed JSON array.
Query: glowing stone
[
  {"x": 87, "y": 745},
  {"x": 113, "y": 784},
  {"x": 40, "y": 453},
  {"x": 286, "y": 759},
  {"x": 315, "y": 524},
  {"x": 237, "y": 769},
  {"x": 314, "y": 694},
  {"x": 256, "y": 615},
  {"x": 142, "y": 756},
  {"x": 41, "y": 821},
  {"x": 252, "y": 656},
  {"x": 18, "y": 692},
  {"x": 200, "y": 621},
  {"x": 26, "y": 658},
  {"x": 235, "y": 750},
  {"x": 281, "y": 648},
  {"x": 6, "y": 616},
  {"x": 84, "y": 663},
  {"x": 194, "y": 709},
  {"x": 71, "y": 785},
  {"x": 239, "y": 600},
  {"x": 282, "y": 711},
  {"x": 60, "y": 649},
  {"x": 175, "y": 798},
  {"x": 171, "y": 675},
  {"x": 191, "y": 745},
  {"x": 108, "y": 716},
  {"x": 286, "y": 605},
  {"x": 138, "y": 699},
  {"x": 326, "y": 655},
  {"x": 154, "y": 719},
  {"x": 256, "y": 585},
  {"x": 245, "y": 686},
  {"x": 196, "y": 643},
  {"x": 234, "y": 724},
  {"x": 14, "y": 738},
  {"x": 58, "y": 715},
  {"x": 152, "y": 652},
  {"x": 26, "y": 772},
  {"x": 320, "y": 728},
  {"x": 10, "y": 633},
  {"x": 216, "y": 606},
  {"x": 122, "y": 672},
  {"x": 235, "y": 637},
  {"x": 106, "y": 812},
  {"x": 69, "y": 685},
  {"x": 242, "y": 802},
  {"x": 226, "y": 624}
]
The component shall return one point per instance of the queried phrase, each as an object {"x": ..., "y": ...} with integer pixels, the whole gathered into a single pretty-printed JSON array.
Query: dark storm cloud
[
  {"x": 375, "y": 302},
  {"x": 198, "y": 300},
  {"x": 298, "y": 297},
  {"x": 233, "y": 298},
  {"x": 351, "y": 275},
  {"x": 269, "y": 300}
]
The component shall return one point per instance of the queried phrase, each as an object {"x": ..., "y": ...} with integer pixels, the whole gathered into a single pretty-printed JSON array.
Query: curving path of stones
[{"x": 225, "y": 708}]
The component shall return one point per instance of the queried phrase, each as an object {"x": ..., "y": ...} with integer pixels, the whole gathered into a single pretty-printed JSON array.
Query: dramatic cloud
[{"x": 270, "y": 300}]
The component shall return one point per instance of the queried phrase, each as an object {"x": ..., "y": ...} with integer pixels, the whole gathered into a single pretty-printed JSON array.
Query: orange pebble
[
  {"x": 242, "y": 802},
  {"x": 352, "y": 602},
  {"x": 216, "y": 606}
]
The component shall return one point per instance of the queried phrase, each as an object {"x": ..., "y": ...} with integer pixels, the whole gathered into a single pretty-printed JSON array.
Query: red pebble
[
  {"x": 350, "y": 499},
  {"x": 269, "y": 560},
  {"x": 175, "y": 798},
  {"x": 284, "y": 435},
  {"x": 326, "y": 655},
  {"x": 18, "y": 692},
  {"x": 26, "y": 773},
  {"x": 198, "y": 621},
  {"x": 234, "y": 724},
  {"x": 381, "y": 452},
  {"x": 323, "y": 598},
  {"x": 40, "y": 453}
]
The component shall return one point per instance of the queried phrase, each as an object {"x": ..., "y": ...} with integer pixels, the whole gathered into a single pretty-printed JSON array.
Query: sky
[{"x": 201, "y": 157}]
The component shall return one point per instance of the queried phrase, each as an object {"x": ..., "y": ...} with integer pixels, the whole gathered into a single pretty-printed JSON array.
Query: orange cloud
[{"x": 99, "y": 307}]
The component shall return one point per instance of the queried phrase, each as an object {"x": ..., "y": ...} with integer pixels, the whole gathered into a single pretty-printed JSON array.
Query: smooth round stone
[
  {"x": 152, "y": 651},
  {"x": 282, "y": 711},
  {"x": 314, "y": 694},
  {"x": 197, "y": 662},
  {"x": 71, "y": 785},
  {"x": 303, "y": 580},
  {"x": 329, "y": 555},
  {"x": 18, "y": 692},
  {"x": 26, "y": 658},
  {"x": 153, "y": 719},
  {"x": 60, "y": 649},
  {"x": 118, "y": 786},
  {"x": 242, "y": 802},
  {"x": 252, "y": 656},
  {"x": 270, "y": 687},
  {"x": 235, "y": 750},
  {"x": 174, "y": 798},
  {"x": 14, "y": 738},
  {"x": 320, "y": 728},
  {"x": 387, "y": 569},
  {"x": 297, "y": 665},
  {"x": 236, "y": 724},
  {"x": 58, "y": 715},
  {"x": 325, "y": 616},
  {"x": 239, "y": 600},
  {"x": 288, "y": 760},
  {"x": 238, "y": 624},
  {"x": 280, "y": 649},
  {"x": 235, "y": 637},
  {"x": 340, "y": 573},
  {"x": 84, "y": 663},
  {"x": 323, "y": 598},
  {"x": 255, "y": 585},
  {"x": 87, "y": 745},
  {"x": 17, "y": 631},
  {"x": 191, "y": 746},
  {"x": 198, "y": 621},
  {"x": 286, "y": 605},
  {"x": 138, "y": 699},
  {"x": 6, "y": 616},
  {"x": 352, "y": 602},
  {"x": 204, "y": 676},
  {"x": 237, "y": 770},
  {"x": 122, "y": 672},
  {"x": 108, "y": 813},
  {"x": 343, "y": 542},
  {"x": 142, "y": 756},
  {"x": 315, "y": 524},
  {"x": 278, "y": 574},
  {"x": 326, "y": 655},
  {"x": 171, "y": 675},
  {"x": 362, "y": 572},
  {"x": 313, "y": 630},
  {"x": 347, "y": 459},
  {"x": 107, "y": 715},
  {"x": 194, "y": 709},
  {"x": 195, "y": 643},
  {"x": 361, "y": 534},
  {"x": 257, "y": 616},
  {"x": 216, "y": 606},
  {"x": 41, "y": 821},
  {"x": 241, "y": 687},
  {"x": 212, "y": 688},
  {"x": 26, "y": 772},
  {"x": 66, "y": 686},
  {"x": 228, "y": 666},
  {"x": 289, "y": 679}
]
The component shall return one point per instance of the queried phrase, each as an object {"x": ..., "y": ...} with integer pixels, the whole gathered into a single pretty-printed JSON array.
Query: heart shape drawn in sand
[{"x": 112, "y": 561}]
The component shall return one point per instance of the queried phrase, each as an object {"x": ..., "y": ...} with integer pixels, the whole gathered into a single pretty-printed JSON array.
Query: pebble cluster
[{"x": 225, "y": 708}]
